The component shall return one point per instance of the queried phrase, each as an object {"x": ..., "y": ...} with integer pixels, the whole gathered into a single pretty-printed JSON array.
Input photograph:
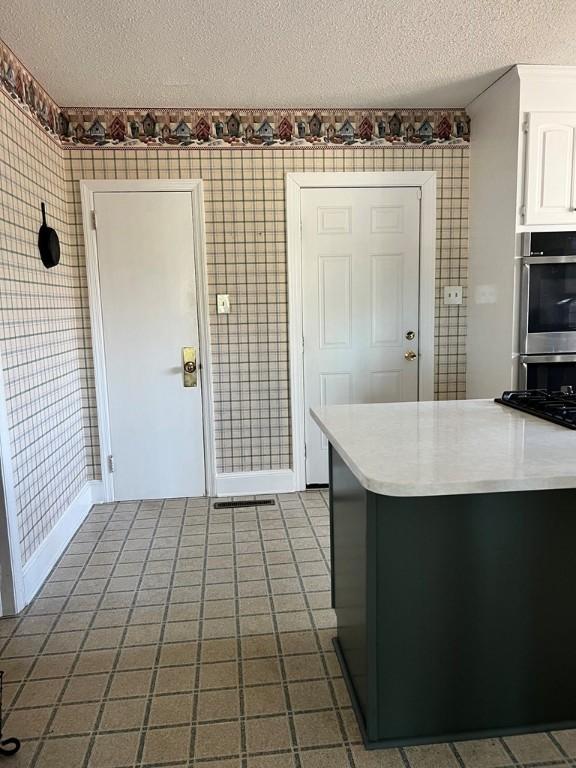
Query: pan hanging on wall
[{"x": 48, "y": 243}]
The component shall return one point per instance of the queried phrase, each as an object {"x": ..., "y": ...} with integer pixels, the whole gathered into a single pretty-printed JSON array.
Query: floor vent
[{"x": 237, "y": 504}]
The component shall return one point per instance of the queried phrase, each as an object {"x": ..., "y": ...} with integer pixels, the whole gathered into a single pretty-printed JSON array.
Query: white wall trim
[
  {"x": 195, "y": 187},
  {"x": 43, "y": 560},
  {"x": 12, "y": 581},
  {"x": 295, "y": 182},
  {"x": 248, "y": 483}
]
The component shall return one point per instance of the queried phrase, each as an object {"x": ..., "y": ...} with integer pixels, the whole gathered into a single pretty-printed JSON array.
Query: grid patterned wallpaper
[
  {"x": 246, "y": 254},
  {"x": 42, "y": 330}
]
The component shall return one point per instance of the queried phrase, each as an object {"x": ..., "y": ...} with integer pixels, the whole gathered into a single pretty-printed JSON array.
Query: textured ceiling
[{"x": 289, "y": 53}]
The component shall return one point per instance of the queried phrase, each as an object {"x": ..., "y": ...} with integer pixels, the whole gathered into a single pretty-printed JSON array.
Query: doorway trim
[
  {"x": 195, "y": 187},
  {"x": 295, "y": 183}
]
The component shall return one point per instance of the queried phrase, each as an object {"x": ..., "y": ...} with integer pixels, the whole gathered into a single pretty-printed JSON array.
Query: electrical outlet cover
[{"x": 452, "y": 294}]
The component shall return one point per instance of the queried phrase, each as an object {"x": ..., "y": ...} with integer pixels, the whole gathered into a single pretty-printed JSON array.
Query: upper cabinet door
[{"x": 550, "y": 192}]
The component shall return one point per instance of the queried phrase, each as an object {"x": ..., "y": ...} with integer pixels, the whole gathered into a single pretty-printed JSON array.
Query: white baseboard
[
  {"x": 248, "y": 483},
  {"x": 46, "y": 556}
]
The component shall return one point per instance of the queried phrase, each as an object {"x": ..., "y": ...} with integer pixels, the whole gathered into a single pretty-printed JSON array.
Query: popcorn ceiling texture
[{"x": 329, "y": 52}]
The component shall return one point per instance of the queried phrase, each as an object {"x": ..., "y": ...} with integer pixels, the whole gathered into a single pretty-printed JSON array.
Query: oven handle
[
  {"x": 525, "y": 359},
  {"x": 549, "y": 259}
]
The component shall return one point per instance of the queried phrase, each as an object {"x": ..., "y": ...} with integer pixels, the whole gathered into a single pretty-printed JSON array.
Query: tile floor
[{"x": 174, "y": 634}]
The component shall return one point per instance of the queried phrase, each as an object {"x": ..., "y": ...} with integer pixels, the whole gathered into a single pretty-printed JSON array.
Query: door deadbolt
[{"x": 410, "y": 335}]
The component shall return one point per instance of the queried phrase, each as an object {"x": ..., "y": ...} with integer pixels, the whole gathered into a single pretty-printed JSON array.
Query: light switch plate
[
  {"x": 223, "y": 304},
  {"x": 452, "y": 294}
]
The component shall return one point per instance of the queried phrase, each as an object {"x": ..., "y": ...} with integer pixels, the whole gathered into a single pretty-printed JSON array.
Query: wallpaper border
[{"x": 210, "y": 128}]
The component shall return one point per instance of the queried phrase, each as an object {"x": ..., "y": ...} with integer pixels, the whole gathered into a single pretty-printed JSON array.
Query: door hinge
[
  {"x": 523, "y": 213},
  {"x": 93, "y": 219},
  {"x": 525, "y": 126},
  {"x": 419, "y": 193},
  {"x": 110, "y": 463}
]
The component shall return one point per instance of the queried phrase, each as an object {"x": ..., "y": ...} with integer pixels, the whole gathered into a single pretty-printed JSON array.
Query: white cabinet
[{"x": 550, "y": 178}]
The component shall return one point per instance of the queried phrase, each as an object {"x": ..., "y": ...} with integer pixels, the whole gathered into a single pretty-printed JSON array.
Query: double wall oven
[{"x": 548, "y": 307}]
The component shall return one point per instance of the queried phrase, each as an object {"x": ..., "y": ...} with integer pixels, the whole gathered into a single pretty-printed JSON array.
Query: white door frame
[
  {"x": 295, "y": 183},
  {"x": 195, "y": 187}
]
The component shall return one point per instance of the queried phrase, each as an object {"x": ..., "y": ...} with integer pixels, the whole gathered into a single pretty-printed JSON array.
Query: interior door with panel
[
  {"x": 149, "y": 315},
  {"x": 550, "y": 192},
  {"x": 360, "y": 276}
]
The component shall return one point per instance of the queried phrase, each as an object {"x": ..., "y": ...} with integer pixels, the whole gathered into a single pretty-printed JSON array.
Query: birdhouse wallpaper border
[{"x": 93, "y": 127}]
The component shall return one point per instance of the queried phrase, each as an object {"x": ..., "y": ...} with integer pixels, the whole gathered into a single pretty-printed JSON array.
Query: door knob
[
  {"x": 410, "y": 355},
  {"x": 190, "y": 367}
]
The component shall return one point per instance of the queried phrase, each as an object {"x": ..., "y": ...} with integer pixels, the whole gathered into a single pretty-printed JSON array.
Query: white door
[
  {"x": 360, "y": 275},
  {"x": 148, "y": 298},
  {"x": 550, "y": 168}
]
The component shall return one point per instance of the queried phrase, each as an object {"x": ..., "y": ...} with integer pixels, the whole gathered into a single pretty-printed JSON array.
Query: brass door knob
[
  {"x": 410, "y": 355},
  {"x": 190, "y": 367}
]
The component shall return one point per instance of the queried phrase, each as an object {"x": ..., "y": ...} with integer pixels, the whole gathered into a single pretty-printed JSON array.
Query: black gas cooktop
[{"x": 558, "y": 407}]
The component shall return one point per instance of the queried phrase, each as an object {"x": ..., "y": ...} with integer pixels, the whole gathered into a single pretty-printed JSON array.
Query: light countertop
[{"x": 449, "y": 447}]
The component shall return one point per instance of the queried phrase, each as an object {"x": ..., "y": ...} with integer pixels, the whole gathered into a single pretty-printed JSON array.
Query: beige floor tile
[
  {"x": 219, "y": 650},
  {"x": 261, "y": 624},
  {"x": 28, "y": 723},
  {"x": 130, "y": 683},
  {"x": 218, "y": 705},
  {"x": 74, "y": 718},
  {"x": 483, "y": 753},
  {"x": 259, "y": 671},
  {"x": 431, "y": 756},
  {"x": 317, "y": 728},
  {"x": 175, "y": 679},
  {"x": 178, "y": 654},
  {"x": 218, "y": 609},
  {"x": 264, "y": 699},
  {"x": 533, "y": 748},
  {"x": 95, "y": 661},
  {"x": 217, "y": 740},
  {"x": 40, "y": 693},
  {"x": 310, "y": 695},
  {"x": 171, "y": 709},
  {"x": 284, "y": 760},
  {"x": 85, "y": 688},
  {"x": 567, "y": 740},
  {"x": 304, "y": 667},
  {"x": 259, "y": 646},
  {"x": 63, "y": 751},
  {"x": 139, "y": 657},
  {"x": 18, "y": 669},
  {"x": 267, "y": 734},
  {"x": 24, "y": 757},
  {"x": 122, "y": 714},
  {"x": 165, "y": 745},
  {"x": 222, "y": 674},
  {"x": 215, "y": 628},
  {"x": 381, "y": 758},
  {"x": 115, "y": 750},
  {"x": 324, "y": 758}
]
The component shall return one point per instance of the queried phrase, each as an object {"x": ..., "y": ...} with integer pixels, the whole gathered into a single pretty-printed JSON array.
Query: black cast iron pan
[{"x": 48, "y": 243}]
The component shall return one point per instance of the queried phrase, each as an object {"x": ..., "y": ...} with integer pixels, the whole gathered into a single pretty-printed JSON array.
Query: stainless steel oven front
[
  {"x": 556, "y": 373},
  {"x": 548, "y": 305}
]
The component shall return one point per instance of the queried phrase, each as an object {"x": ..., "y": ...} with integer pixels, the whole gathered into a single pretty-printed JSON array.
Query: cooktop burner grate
[{"x": 557, "y": 407}]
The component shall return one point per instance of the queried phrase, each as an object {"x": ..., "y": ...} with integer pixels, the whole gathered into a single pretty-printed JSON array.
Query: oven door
[
  {"x": 552, "y": 372},
  {"x": 548, "y": 320}
]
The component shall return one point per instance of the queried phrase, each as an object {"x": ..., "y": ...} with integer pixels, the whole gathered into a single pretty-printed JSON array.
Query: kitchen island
[{"x": 453, "y": 552}]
